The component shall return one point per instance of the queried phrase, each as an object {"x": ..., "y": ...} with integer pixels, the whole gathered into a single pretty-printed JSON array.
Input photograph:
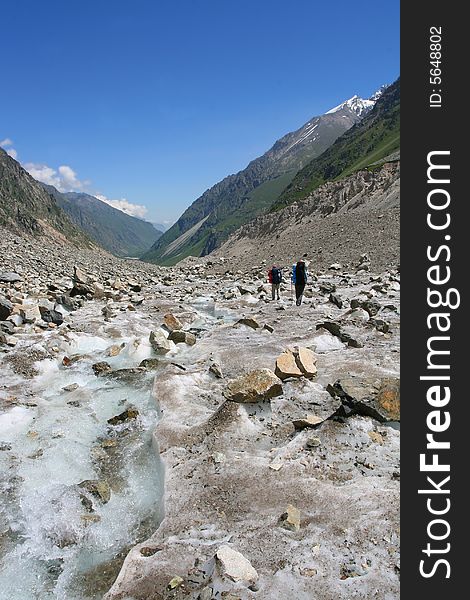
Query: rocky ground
[{"x": 279, "y": 425}]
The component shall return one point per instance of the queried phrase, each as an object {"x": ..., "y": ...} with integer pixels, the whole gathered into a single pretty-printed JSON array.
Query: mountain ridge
[{"x": 239, "y": 197}]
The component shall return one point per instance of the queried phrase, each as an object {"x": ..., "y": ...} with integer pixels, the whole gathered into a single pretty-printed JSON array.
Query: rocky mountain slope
[
  {"x": 373, "y": 138},
  {"x": 25, "y": 206},
  {"x": 240, "y": 197},
  {"x": 112, "y": 229},
  {"x": 338, "y": 222}
]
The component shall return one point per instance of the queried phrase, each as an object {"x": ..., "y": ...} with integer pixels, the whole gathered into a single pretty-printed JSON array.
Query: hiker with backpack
[
  {"x": 299, "y": 279},
  {"x": 275, "y": 279}
]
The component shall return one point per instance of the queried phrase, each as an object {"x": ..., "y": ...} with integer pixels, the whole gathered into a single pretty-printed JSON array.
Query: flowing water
[{"x": 57, "y": 541}]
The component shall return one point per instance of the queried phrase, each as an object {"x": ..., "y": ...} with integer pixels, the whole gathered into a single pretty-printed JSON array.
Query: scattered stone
[
  {"x": 7, "y": 327},
  {"x": 115, "y": 349},
  {"x": 107, "y": 312},
  {"x": 371, "y": 306},
  {"x": 79, "y": 276},
  {"x": 182, "y": 337},
  {"x": 101, "y": 368},
  {"x": 306, "y": 361},
  {"x": 313, "y": 442},
  {"x": 380, "y": 325},
  {"x": 216, "y": 370},
  {"x": 159, "y": 342},
  {"x": 51, "y": 315},
  {"x": 71, "y": 387},
  {"x": 336, "y": 300},
  {"x": 235, "y": 566},
  {"x": 175, "y": 582},
  {"x": 30, "y": 314},
  {"x": 308, "y": 421},
  {"x": 269, "y": 328},
  {"x": 335, "y": 267},
  {"x": 150, "y": 363},
  {"x": 376, "y": 437},
  {"x": 335, "y": 329},
  {"x": 98, "y": 488},
  {"x": 249, "y": 322},
  {"x": 9, "y": 277},
  {"x": 376, "y": 398},
  {"x": 286, "y": 366},
  {"x": 327, "y": 288},
  {"x": 291, "y": 518},
  {"x": 171, "y": 322},
  {"x": 261, "y": 384},
  {"x": 129, "y": 414},
  {"x": 16, "y": 319}
]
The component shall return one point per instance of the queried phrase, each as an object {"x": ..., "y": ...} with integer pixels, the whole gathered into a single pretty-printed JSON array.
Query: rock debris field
[{"x": 174, "y": 433}]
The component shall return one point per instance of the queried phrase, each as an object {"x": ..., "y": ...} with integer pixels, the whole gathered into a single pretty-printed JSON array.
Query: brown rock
[
  {"x": 261, "y": 384},
  {"x": 286, "y": 366},
  {"x": 306, "y": 361},
  {"x": 171, "y": 322}
]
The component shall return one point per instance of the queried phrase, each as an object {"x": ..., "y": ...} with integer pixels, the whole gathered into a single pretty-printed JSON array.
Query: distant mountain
[
  {"x": 238, "y": 198},
  {"x": 160, "y": 227},
  {"x": 26, "y": 207},
  {"x": 376, "y": 136},
  {"x": 109, "y": 227}
]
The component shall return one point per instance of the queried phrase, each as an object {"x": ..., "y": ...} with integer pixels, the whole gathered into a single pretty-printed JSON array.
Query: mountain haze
[
  {"x": 240, "y": 197},
  {"x": 114, "y": 230}
]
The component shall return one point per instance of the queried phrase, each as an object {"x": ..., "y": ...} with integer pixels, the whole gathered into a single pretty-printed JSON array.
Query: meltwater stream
[{"x": 57, "y": 540}]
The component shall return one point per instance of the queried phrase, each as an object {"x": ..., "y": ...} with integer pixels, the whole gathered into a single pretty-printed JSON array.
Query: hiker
[
  {"x": 275, "y": 279},
  {"x": 299, "y": 279}
]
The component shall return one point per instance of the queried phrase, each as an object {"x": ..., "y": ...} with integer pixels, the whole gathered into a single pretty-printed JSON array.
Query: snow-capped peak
[
  {"x": 376, "y": 95},
  {"x": 356, "y": 104}
]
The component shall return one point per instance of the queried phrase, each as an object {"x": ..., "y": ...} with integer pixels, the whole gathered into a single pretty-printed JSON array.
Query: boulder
[
  {"x": 30, "y": 313},
  {"x": 216, "y": 370},
  {"x": 9, "y": 277},
  {"x": 159, "y": 342},
  {"x": 182, "y": 337},
  {"x": 171, "y": 322},
  {"x": 372, "y": 397},
  {"x": 235, "y": 566},
  {"x": 79, "y": 276},
  {"x": 336, "y": 300},
  {"x": 101, "y": 368},
  {"x": 291, "y": 518},
  {"x": 6, "y": 308},
  {"x": 49, "y": 315},
  {"x": 249, "y": 322},
  {"x": 308, "y": 421},
  {"x": 150, "y": 363},
  {"x": 306, "y": 361},
  {"x": 260, "y": 384},
  {"x": 286, "y": 366}
]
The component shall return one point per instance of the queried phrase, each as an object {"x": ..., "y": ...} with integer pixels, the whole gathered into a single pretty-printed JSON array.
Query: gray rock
[
  {"x": 182, "y": 337},
  {"x": 7, "y": 327},
  {"x": 6, "y": 308},
  {"x": 159, "y": 342},
  {"x": 9, "y": 277},
  {"x": 51, "y": 315},
  {"x": 372, "y": 397}
]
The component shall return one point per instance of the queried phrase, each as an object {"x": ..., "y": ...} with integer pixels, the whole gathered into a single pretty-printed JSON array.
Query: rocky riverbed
[{"x": 173, "y": 433}]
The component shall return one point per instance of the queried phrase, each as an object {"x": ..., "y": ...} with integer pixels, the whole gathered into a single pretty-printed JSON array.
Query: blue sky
[{"x": 149, "y": 103}]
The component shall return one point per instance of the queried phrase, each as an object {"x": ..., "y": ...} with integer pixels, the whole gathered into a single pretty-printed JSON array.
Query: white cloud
[
  {"x": 134, "y": 210},
  {"x": 7, "y": 144},
  {"x": 64, "y": 179}
]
